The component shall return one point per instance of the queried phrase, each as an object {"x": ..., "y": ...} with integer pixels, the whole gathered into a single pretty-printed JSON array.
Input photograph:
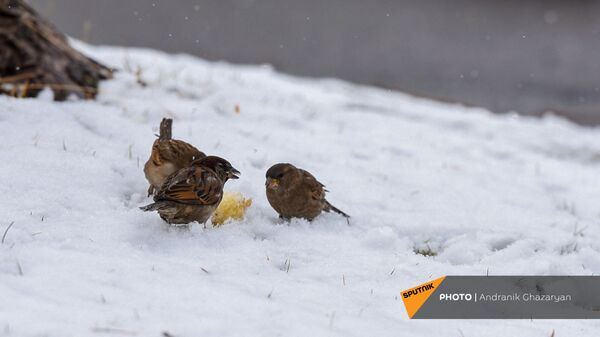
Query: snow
[{"x": 489, "y": 194}]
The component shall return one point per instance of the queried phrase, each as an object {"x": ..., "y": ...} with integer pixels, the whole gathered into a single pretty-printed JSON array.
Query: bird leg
[{"x": 150, "y": 190}]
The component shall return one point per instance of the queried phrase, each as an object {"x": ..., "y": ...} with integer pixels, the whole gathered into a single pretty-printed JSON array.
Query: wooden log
[{"x": 34, "y": 55}]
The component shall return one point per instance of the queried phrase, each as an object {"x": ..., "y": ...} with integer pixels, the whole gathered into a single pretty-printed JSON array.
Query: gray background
[{"x": 529, "y": 56}]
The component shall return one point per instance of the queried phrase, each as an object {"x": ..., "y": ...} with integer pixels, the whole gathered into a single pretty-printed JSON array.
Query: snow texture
[{"x": 482, "y": 193}]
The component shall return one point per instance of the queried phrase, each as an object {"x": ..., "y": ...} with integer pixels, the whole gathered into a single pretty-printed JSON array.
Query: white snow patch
[{"x": 503, "y": 195}]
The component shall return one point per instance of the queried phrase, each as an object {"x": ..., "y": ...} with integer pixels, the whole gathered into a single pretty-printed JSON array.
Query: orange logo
[{"x": 415, "y": 297}]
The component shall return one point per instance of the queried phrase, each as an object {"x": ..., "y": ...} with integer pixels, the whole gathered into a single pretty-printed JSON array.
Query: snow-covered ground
[{"x": 486, "y": 194}]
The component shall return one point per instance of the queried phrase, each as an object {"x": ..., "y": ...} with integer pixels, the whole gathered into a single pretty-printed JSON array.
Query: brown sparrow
[
  {"x": 168, "y": 156},
  {"x": 295, "y": 193},
  {"x": 193, "y": 193}
]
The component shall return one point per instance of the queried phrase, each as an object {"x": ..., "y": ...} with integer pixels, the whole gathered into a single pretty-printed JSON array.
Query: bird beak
[
  {"x": 233, "y": 174},
  {"x": 272, "y": 183}
]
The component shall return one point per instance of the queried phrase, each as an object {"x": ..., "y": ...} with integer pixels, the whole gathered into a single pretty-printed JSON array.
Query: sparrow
[
  {"x": 193, "y": 193},
  {"x": 168, "y": 156},
  {"x": 295, "y": 193}
]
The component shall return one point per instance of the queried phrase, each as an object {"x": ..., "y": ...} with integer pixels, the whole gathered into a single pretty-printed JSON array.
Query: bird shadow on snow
[{"x": 150, "y": 233}]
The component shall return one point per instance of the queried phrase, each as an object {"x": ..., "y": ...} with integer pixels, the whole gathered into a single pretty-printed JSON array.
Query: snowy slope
[{"x": 486, "y": 193}]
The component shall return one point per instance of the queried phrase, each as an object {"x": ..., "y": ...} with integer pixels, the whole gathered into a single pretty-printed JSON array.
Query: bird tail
[
  {"x": 152, "y": 207},
  {"x": 165, "y": 129},
  {"x": 330, "y": 207}
]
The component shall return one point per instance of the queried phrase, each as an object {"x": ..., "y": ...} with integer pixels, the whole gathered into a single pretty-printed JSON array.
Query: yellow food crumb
[{"x": 233, "y": 206}]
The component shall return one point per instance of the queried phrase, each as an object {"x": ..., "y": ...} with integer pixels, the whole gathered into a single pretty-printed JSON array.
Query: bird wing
[
  {"x": 192, "y": 185},
  {"x": 175, "y": 151},
  {"x": 316, "y": 189}
]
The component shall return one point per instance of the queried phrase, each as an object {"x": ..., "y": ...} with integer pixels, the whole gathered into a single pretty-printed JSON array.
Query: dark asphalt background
[{"x": 528, "y": 56}]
